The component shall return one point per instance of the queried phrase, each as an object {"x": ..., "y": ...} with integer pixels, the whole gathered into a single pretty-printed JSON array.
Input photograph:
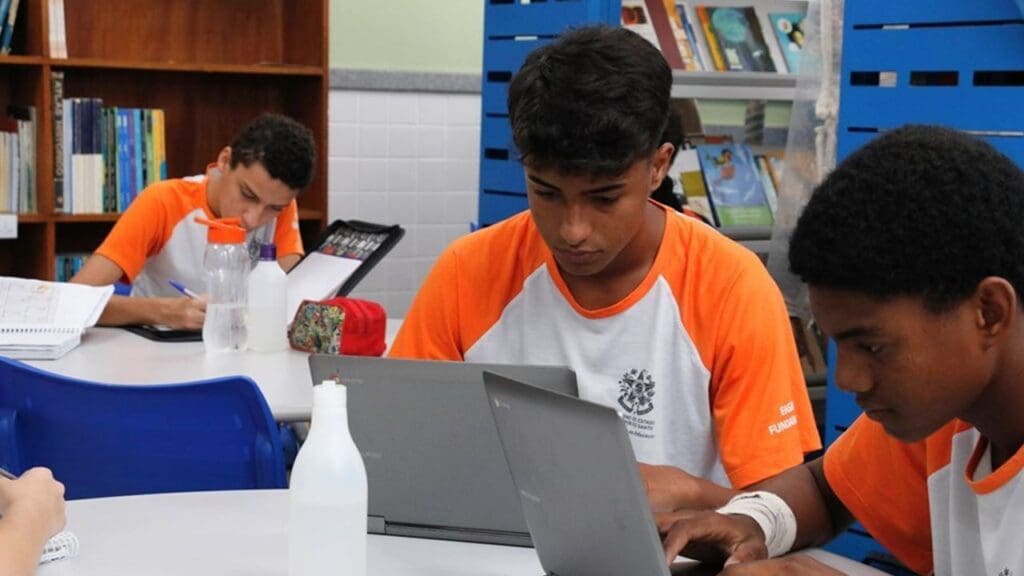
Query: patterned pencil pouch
[
  {"x": 339, "y": 326},
  {"x": 317, "y": 328}
]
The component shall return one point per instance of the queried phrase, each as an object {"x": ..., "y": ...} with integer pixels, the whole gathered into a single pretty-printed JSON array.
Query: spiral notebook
[{"x": 45, "y": 320}]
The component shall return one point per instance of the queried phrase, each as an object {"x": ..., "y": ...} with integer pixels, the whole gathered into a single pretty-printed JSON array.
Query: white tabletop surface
[
  {"x": 245, "y": 533},
  {"x": 116, "y": 356}
]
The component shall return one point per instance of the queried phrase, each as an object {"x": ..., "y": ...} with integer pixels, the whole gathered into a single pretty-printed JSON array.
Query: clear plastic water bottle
[
  {"x": 268, "y": 303},
  {"x": 227, "y": 268},
  {"x": 328, "y": 494}
]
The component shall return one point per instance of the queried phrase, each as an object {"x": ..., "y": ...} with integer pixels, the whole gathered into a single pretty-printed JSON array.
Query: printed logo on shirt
[
  {"x": 636, "y": 392},
  {"x": 636, "y": 395},
  {"x": 1006, "y": 572}
]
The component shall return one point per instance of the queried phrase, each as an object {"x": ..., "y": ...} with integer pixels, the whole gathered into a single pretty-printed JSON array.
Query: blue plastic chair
[{"x": 104, "y": 440}]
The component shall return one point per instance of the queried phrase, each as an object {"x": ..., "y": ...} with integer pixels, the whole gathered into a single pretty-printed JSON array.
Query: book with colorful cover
[
  {"x": 715, "y": 54},
  {"x": 734, "y": 185},
  {"x": 7, "y": 24},
  {"x": 735, "y": 33},
  {"x": 788, "y": 28},
  {"x": 686, "y": 169},
  {"x": 636, "y": 18},
  {"x": 682, "y": 37},
  {"x": 700, "y": 54}
]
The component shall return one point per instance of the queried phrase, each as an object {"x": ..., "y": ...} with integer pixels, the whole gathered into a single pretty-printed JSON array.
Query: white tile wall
[{"x": 410, "y": 159}]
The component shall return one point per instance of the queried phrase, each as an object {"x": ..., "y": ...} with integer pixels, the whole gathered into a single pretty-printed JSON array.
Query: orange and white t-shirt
[
  {"x": 936, "y": 504},
  {"x": 157, "y": 238},
  {"x": 699, "y": 359}
]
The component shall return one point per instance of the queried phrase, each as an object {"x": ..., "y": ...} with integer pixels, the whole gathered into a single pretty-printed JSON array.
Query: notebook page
[
  {"x": 35, "y": 303},
  {"x": 317, "y": 276}
]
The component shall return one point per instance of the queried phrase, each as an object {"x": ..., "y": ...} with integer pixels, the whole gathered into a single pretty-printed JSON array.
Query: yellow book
[{"x": 712, "y": 40}]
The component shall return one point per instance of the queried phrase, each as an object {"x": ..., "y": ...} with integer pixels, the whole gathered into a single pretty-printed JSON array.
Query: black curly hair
[
  {"x": 920, "y": 211},
  {"x": 592, "y": 102},
  {"x": 283, "y": 146}
]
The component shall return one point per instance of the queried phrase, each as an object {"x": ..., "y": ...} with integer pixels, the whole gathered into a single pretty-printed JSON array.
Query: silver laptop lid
[
  {"x": 433, "y": 460},
  {"x": 578, "y": 482}
]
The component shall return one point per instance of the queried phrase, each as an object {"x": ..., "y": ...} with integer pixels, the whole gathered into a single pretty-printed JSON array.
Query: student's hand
[
  {"x": 184, "y": 313},
  {"x": 709, "y": 536},
  {"x": 797, "y": 565},
  {"x": 670, "y": 489},
  {"x": 34, "y": 502}
]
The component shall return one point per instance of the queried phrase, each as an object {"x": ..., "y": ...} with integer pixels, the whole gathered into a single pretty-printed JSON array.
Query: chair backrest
[{"x": 104, "y": 440}]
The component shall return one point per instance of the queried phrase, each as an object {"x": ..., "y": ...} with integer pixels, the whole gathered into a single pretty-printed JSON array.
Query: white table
[
  {"x": 116, "y": 356},
  {"x": 245, "y": 533}
]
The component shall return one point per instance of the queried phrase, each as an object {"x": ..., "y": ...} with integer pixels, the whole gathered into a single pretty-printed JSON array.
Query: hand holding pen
[
  {"x": 181, "y": 288},
  {"x": 185, "y": 313}
]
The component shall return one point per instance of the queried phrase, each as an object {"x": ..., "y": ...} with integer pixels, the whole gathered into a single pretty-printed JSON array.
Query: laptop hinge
[{"x": 376, "y": 525}]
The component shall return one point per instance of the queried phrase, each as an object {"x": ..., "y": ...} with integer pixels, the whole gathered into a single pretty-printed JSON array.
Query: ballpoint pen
[{"x": 181, "y": 288}]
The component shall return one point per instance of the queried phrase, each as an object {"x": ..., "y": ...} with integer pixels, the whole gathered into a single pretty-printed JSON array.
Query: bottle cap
[
  {"x": 268, "y": 252},
  {"x": 223, "y": 230}
]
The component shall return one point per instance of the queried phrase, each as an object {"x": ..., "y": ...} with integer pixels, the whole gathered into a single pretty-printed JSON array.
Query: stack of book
[
  {"x": 699, "y": 37},
  {"x": 103, "y": 157},
  {"x": 18, "y": 160}
]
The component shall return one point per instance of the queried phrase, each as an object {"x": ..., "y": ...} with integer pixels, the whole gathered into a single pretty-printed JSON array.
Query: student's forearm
[
  {"x": 820, "y": 516},
  {"x": 20, "y": 548},
  {"x": 123, "y": 310}
]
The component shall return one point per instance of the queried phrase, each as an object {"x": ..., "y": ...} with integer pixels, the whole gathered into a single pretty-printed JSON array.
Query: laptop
[
  {"x": 433, "y": 460},
  {"x": 578, "y": 482}
]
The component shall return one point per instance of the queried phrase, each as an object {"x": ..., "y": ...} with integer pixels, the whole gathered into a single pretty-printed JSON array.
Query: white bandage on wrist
[{"x": 771, "y": 513}]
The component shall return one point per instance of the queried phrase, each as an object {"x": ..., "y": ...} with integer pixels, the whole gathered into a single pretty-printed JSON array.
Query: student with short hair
[
  {"x": 31, "y": 511},
  {"x": 157, "y": 240},
  {"x": 660, "y": 316},
  {"x": 913, "y": 252}
]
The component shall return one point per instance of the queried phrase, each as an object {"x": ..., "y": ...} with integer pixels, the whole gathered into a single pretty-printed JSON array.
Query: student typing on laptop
[
  {"x": 660, "y": 316},
  {"x": 157, "y": 241},
  {"x": 922, "y": 292}
]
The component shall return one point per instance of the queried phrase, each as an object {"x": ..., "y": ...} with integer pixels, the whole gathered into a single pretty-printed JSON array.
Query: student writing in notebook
[
  {"x": 31, "y": 511},
  {"x": 661, "y": 317},
  {"x": 156, "y": 240},
  {"x": 913, "y": 253}
]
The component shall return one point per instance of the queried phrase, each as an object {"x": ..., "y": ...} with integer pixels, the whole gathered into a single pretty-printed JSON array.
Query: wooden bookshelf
[{"x": 211, "y": 65}]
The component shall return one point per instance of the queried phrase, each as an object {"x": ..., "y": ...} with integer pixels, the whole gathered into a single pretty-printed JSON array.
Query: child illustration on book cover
[{"x": 731, "y": 176}]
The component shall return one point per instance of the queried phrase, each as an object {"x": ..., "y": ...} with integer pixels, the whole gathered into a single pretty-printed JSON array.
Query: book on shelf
[
  {"x": 768, "y": 181},
  {"x": 57, "y": 90},
  {"x": 25, "y": 118},
  {"x": 663, "y": 24},
  {"x": 107, "y": 156},
  {"x": 687, "y": 176},
  {"x": 67, "y": 265},
  {"x": 789, "y": 32},
  {"x": 8, "y": 18},
  {"x": 17, "y": 160},
  {"x": 44, "y": 320},
  {"x": 635, "y": 17},
  {"x": 57, "y": 26},
  {"x": 734, "y": 186},
  {"x": 735, "y": 39}
]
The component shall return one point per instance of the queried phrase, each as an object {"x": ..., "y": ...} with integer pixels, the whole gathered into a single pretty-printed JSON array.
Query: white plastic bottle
[
  {"x": 268, "y": 295},
  {"x": 226, "y": 262},
  {"x": 328, "y": 494}
]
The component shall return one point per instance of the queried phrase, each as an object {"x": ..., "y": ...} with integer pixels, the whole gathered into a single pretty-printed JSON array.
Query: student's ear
[
  {"x": 660, "y": 164},
  {"x": 996, "y": 302},
  {"x": 224, "y": 159}
]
